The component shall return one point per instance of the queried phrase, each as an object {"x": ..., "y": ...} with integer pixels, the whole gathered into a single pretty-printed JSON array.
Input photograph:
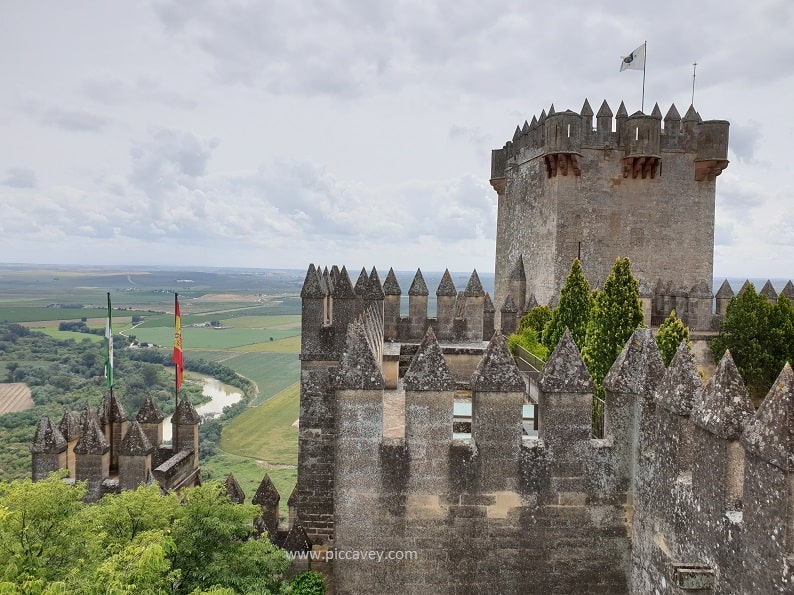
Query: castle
[
  {"x": 690, "y": 490},
  {"x": 111, "y": 454},
  {"x": 568, "y": 189},
  {"x": 420, "y": 433}
]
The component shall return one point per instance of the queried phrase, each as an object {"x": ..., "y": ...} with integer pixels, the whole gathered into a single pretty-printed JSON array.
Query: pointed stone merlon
[
  {"x": 150, "y": 418},
  {"x": 48, "y": 450},
  {"x": 629, "y": 406},
  {"x": 565, "y": 402},
  {"x": 768, "y": 498},
  {"x": 446, "y": 298},
  {"x": 315, "y": 315},
  {"x": 135, "y": 458},
  {"x": 678, "y": 394},
  {"x": 344, "y": 308},
  {"x": 417, "y": 306},
  {"x": 359, "y": 386},
  {"x": 768, "y": 291},
  {"x": 429, "y": 398},
  {"x": 268, "y": 498},
  {"x": 473, "y": 308},
  {"x": 498, "y": 390},
  {"x": 723, "y": 298},
  {"x": 92, "y": 456},
  {"x": 113, "y": 418},
  {"x": 724, "y": 411},
  {"x": 184, "y": 429},
  {"x": 488, "y": 316},
  {"x": 391, "y": 306},
  {"x": 69, "y": 426},
  {"x": 509, "y": 319},
  {"x": 234, "y": 492}
]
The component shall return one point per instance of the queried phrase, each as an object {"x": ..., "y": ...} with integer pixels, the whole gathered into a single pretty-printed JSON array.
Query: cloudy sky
[{"x": 280, "y": 132}]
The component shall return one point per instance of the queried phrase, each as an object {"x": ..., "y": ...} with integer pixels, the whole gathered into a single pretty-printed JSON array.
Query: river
[{"x": 220, "y": 395}]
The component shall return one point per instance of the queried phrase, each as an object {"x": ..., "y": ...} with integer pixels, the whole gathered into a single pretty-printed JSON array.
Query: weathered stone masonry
[
  {"x": 568, "y": 189},
  {"x": 690, "y": 490}
]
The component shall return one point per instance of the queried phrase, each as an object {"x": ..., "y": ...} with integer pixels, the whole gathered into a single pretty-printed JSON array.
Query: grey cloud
[
  {"x": 745, "y": 138},
  {"x": 112, "y": 91},
  {"x": 73, "y": 120},
  {"x": 169, "y": 159},
  {"x": 20, "y": 177}
]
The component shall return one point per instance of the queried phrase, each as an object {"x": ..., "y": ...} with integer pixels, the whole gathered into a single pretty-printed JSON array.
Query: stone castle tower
[{"x": 640, "y": 189}]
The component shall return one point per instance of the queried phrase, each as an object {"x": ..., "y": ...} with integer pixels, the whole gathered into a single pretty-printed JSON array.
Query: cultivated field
[
  {"x": 14, "y": 397},
  {"x": 258, "y": 318}
]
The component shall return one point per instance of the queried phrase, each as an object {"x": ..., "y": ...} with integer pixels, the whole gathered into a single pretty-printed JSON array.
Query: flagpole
[
  {"x": 176, "y": 365},
  {"x": 694, "y": 68},
  {"x": 644, "y": 62}
]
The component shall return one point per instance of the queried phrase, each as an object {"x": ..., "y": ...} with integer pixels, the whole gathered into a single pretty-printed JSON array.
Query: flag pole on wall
[
  {"x": 178, "y": 357},
  {"x": 636, "y": 61}
]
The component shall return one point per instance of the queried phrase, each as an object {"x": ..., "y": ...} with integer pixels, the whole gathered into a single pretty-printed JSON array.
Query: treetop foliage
[
  {"x": 669, "y": 336},
  {"x": 760, "y": 337},
  {"x": 573, "y": 309},
  {"x": 134, "y": 542}
]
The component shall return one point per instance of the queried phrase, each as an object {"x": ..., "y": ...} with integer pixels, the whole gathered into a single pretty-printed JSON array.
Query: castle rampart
[
  {"x": 686, "y": 486},
  {"x": 110, "y": 454}
]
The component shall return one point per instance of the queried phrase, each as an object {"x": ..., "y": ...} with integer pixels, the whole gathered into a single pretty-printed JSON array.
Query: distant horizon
[{"x": 188, "y": 267}]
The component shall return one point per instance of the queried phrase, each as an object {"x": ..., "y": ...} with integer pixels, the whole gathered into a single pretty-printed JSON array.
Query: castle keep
[
  {"x": 690, "y": 490},
  {"x": 627, "y": 186}
]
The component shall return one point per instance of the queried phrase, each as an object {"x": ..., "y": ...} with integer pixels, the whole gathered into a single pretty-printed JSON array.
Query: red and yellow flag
[{"x": 179, "y": 361}]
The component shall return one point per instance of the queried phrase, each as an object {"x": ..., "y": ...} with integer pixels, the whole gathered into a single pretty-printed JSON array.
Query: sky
[{"x": 276, "y": 133}]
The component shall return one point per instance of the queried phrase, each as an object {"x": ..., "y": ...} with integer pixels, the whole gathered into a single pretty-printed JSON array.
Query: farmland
[{"x": 248, "y": 320}]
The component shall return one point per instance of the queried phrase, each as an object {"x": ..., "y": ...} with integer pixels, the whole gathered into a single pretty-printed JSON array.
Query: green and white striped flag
[{"x": 109, "y": 348}]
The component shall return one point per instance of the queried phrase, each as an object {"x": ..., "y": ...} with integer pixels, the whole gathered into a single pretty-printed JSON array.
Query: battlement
[
  {"x": 331, "y": 303},
  {"x": 559, "y": 138},
  {"x": 688, "y": 481},
  {"x": 111, "y": 454}
]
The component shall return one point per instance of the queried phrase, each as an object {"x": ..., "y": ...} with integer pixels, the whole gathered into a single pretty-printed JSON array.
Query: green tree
[
  {"x": 142, "y": 566},
  {"x": 40, "y": 535},
  {"x": 308, "y": 583},
  {"x": 536, "y": 319},
  {"x": 615, "y": 314},
  {"x": 669, "y": 336},
  {"x": 573, "y": 310},
  {"x": 529, "y": 340},
  {"x": 760, "y": 337},
  {"x": 213, "y": 546}
]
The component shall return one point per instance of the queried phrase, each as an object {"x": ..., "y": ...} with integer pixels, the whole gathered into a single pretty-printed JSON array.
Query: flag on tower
[
  {"x": 109, "y": 348},
  {"x": 179, "y": 362},
  {"x": 635, "y": 60}
]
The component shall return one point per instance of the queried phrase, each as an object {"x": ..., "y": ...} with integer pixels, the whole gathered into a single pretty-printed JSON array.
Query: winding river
[{"x": 220, "y": 394}]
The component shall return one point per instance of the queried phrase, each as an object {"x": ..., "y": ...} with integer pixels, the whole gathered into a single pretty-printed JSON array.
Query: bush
[
  {"x": 669, "y": 336},
  {"x": 308, "y": 583}
]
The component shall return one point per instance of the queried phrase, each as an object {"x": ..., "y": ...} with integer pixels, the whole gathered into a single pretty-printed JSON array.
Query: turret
[
  {"x": 92, "y": 454},
  {"x": 185, "y": 422},
  {"x": 48, "y": 450},
  {"x": 150, "y": 419},
  {"x": 135, "y": 458}
]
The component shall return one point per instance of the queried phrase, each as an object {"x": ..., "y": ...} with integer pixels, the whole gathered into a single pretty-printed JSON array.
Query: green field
[{"x": 261, "y": 313}]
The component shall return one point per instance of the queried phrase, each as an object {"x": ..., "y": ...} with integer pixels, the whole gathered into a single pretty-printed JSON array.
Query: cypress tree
[
  {"x": 573, "y": 310},
  {"x": 615, "y": 314},
  {"x": 669, "y": 336}
]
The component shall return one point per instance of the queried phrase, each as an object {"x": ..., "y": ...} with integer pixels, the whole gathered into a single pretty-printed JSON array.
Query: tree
[
  {"x": 669, "y": 336},
  {"x": 537, "y": 318},
  {"x": 573, "y": 310},
  {"x": 760, "y": 337},
  {"x": 213, "y": 545},
  {"x": 616, "y": 312},
  {"x": 40, "y": 536}
]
